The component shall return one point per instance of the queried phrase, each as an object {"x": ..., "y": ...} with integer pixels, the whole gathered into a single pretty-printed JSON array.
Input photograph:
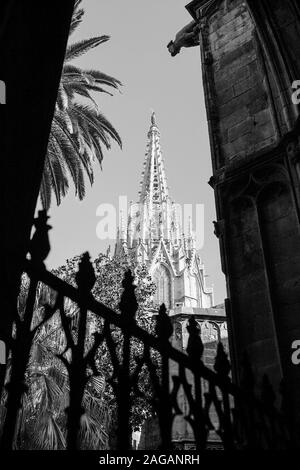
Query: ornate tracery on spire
[
  {"x": 154, "y": 185},
  {"x": 154, "y": 201},
  {"x": 153, "y": 234}
]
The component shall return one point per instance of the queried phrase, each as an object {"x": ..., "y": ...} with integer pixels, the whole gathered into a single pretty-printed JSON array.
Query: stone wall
[
  {"x": 250, "y": 58},
  {"x": 242, "y": 103}
]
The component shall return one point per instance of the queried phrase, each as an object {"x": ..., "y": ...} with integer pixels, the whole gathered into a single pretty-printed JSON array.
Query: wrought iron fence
[{"x": 244, "y": 421}]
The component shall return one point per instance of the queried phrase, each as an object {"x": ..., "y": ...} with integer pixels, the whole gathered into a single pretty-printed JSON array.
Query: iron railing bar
[
  {"x": 67, "y": 290},
  {"x": 110, "y": 315}
]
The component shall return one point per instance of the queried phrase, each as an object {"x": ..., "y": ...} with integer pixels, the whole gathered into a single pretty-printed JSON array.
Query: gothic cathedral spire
[
  {"x": 154, "y": 184},
  {"x": 154, "y": 200},
  {"x": 154, "y": 236}
]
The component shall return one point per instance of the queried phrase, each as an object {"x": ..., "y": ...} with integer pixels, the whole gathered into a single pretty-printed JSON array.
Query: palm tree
[
  {"x": 79, "y": 130},
  {"x": 41, "y": 422}
]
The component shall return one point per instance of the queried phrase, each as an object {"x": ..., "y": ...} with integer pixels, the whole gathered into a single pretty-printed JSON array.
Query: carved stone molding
[
  {"x": 249, "y": 184},
  {"x": 293, "y": 150},
  {"x": 178, "y": 331},
  {"x": 201, "y": 8}
]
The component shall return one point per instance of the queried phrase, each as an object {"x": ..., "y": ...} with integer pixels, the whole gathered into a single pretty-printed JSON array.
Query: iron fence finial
[
  {"x": 128, "y": 303},
  {"x": 85, "y": 276},
  {"x": 39, "y": 246}
]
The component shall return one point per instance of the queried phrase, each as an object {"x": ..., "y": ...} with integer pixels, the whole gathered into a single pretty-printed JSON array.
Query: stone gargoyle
[{"x": 186, "y": 37}]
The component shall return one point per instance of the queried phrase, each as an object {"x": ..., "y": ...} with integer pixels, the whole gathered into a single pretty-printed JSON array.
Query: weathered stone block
[
  {"x": 258, "y": 104},
  {"x": 237, "y": 36},
  {"x": 229, "y": 76},
  {"x": 265, "y": 144},
  {"x": 250, "y": 82},
  {"x": 224, "y": 96},
  {"x": 263, "y": 132},
  {"x": 236, "y": 132},
  {"x": 233, "y": 118},
  {"x": 239, "y": 102},
  {"x": 235, "y": 60}
]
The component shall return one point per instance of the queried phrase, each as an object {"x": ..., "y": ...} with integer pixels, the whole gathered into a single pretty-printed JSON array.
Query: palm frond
[
  {"x": 38, "y": 353},
  {"x": 65, "y": 150},
  {"x": 71, "y": 70},
  {"x": 103, "y": 78},
  {"x": 45, "y": 192},
  {"x": 59, "y": 376},
  {"x": 70, "y": 150},
  {"x": 77, "y": 17},
  {"x": 79, "y": 48},
  {"x": 97, "y": 383},
  {"x": 47, "y": 434},
  {"x": 50, "y": 390},
  {"x": 62, "y": 97},
  {"x": 92, "y": 434},
  {"x": 78, "y": 131},
  {"x": 97, "y": 122},
  {"x": 89, "y": 125},
  {"x": 99, "y": 89},
  {"x": 80, "y": 185},
  {"x": 69, "y": 143},
  {"x": 98, "y": 149},
  {"x": 91, "y": 79},
  {"x": 59, "y": 182},
  {"x": 83, "y": 91},
  {"x": 66, "y": 142},
  {"x": 109, "y": 128}
]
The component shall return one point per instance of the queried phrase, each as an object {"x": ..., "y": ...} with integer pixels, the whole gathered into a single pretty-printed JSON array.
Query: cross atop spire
[{"x": 153, "y": 119}]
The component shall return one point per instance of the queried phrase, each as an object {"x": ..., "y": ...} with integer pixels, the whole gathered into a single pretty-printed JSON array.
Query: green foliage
[{"x": 79, "y": 131}]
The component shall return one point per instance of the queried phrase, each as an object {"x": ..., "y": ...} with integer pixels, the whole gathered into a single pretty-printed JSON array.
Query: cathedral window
[{"x": 163, "y": 286}]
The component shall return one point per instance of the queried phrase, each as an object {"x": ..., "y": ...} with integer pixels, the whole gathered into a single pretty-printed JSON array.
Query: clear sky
[{"x": 152, "y": 80}]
